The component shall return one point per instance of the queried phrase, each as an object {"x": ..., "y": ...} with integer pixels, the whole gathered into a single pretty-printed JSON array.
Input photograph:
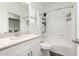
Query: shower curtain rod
[{"x": 61, "y": 8}]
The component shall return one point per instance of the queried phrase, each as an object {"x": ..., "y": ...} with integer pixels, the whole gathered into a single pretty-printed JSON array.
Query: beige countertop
[{"x": 11, "y": 41}]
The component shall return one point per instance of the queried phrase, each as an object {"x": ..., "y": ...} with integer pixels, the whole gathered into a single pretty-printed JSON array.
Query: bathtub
[{"x": 61, "y": 49}]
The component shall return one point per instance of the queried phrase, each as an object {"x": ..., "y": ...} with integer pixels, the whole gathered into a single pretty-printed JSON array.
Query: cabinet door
[
  {"x": 36, "y": 50},
  {"x": 28, "y": 48},
  {"x": 15, "y": 50},
  {"x": 77, "y": 37}
]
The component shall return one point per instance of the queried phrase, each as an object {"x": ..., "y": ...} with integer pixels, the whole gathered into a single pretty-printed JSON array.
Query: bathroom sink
[
  {"x": 13, "y": 38},
  {"x": 20, "y": 37},
  {"x": 17, "y": 37}
]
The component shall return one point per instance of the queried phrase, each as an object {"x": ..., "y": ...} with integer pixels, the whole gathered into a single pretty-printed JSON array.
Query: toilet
[{"x": 45, "y": 48}]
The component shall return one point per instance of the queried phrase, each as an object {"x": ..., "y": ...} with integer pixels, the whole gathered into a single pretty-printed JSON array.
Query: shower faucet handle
[{"x": 76, "y": 41}]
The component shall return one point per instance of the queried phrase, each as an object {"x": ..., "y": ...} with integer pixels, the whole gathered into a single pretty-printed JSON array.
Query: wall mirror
[{"x": 14, "y": 23}]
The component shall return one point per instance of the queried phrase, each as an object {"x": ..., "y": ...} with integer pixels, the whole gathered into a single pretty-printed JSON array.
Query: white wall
[
  {"x": 14, "y": 8},
  {"x": 78, "y": 20},
  {"x": 77, "y": 28},
  {"x": 37, "y": 6}
]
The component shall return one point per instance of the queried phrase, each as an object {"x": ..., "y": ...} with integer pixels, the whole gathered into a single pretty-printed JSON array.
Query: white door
[{"x": 61, "y": 31}]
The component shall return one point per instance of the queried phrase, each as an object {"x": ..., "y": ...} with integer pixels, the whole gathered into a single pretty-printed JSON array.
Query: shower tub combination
[{"x": 53, "y": 49}]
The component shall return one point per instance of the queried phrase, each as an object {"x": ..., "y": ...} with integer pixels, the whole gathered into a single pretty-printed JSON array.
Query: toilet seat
[{"x": 45, "y": 46}]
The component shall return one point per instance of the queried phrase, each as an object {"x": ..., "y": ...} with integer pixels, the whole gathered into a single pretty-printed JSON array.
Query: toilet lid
[{"x": 45, "y": 45}]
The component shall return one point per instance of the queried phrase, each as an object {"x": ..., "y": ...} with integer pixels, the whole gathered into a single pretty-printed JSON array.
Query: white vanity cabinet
[{"x": 27, "y": 48}]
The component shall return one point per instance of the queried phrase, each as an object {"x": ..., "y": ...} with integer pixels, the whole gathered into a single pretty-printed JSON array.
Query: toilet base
[
  {"x": 55, "y": 54},
  {"x": 49, "y": 53},
  {"x": 45, "y": 52}
]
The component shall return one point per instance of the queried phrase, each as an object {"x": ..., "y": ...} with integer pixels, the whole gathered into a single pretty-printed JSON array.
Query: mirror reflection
[{"x": 14, "y": 23}]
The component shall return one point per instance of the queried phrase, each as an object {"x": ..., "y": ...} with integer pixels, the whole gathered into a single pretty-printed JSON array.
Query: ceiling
[
  {"x": 41, "y": 5},
  {"x": 44, "y": 4}
]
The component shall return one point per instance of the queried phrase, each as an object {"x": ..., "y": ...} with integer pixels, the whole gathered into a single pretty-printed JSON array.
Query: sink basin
[
  {"x": 21, "y": 37},
  {"x": 18, "y": 37}
]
